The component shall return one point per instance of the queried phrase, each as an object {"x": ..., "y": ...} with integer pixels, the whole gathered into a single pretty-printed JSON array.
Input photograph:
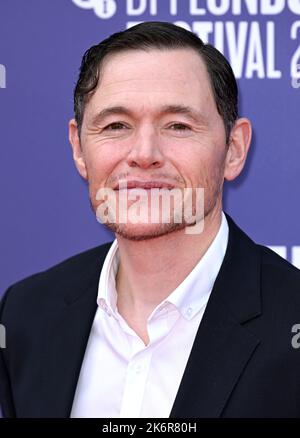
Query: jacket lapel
[
  {"x": 223, "y": 345},
  {"x": 67, "y": 336}
]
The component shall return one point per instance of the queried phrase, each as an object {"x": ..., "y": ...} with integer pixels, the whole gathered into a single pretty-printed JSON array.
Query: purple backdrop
[{"x": 45, "y": 212}]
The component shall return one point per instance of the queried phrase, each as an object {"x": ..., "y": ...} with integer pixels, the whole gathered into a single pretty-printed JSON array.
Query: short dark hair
[{"x": 159, "y": 35}]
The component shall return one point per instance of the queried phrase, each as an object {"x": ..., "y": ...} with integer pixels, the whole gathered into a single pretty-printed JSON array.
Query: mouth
[{"x": 147, "y": 185}]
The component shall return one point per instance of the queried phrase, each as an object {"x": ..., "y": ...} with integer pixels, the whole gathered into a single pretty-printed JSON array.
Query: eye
[
  {"x": 115, "y": 126},
  {"x": 179, "y": 127}
]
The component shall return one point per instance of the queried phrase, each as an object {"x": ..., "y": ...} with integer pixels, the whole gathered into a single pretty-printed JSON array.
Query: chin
[{"x": 139, "y": 232}]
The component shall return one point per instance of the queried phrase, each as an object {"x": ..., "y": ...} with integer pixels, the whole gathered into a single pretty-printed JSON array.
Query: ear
[
  {"x": 239, "y": 143},
  {"x": 78, "y": 155}
]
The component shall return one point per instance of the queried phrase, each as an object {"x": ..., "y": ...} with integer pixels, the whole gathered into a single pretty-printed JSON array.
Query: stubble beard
[{"x": 142, "y": 232}]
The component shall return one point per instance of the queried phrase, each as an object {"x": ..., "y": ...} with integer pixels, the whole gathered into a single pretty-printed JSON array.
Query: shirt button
[
  {"x": 106, "y": 309},
  {"x": 189, "y": 311},
  {"x": 138, "y": 369}
]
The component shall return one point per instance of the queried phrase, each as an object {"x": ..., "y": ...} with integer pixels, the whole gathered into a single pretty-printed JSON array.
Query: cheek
[
  {"x": 100, "y": 163},
  {"x": 205, "y": 170},
  {"x": 193, "y": 165}
]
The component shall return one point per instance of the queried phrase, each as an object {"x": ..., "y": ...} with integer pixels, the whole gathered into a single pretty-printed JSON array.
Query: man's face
[{"x": 153, "y": 117}]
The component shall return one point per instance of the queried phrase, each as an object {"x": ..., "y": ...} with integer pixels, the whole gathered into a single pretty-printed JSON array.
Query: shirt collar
[
  {"x": 190, "y": 295},
  {"x": 193, "y": 292}
]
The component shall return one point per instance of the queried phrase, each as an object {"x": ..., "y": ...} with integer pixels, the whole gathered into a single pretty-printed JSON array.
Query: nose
[{"x": 145, "y": 150}]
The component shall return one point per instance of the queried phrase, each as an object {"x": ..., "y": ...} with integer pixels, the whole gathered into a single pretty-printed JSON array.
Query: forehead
[{"x": 148, "y": 78}]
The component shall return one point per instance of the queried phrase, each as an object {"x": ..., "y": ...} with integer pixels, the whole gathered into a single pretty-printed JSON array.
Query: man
[{"x": 169, "y": 320}]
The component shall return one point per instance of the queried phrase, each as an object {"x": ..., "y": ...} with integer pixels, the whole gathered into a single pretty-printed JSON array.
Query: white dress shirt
[{"x": 121, "y": 376}]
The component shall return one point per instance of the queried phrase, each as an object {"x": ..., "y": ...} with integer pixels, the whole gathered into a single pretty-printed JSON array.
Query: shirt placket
[
  {"x": 135, "y": 379},
  {"x": 138, "y": 367}
]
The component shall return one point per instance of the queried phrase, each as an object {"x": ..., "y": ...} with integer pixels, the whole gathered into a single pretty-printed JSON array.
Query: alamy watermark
[
  {"x": 2, "y": 76},
  {"x": 296, "y": 337},
  {"x": 296, "y": 77},
  {"x": 2, "y": 336},
  {"x": 152, "y": 206}
]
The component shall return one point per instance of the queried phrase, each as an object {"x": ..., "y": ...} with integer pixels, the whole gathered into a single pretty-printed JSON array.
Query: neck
[{"x": 151, "y": 269}]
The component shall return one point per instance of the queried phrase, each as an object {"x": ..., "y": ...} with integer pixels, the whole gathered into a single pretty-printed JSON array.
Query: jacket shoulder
[
  {"x": 280, "y": 281},
  {"x": 46, "y": 286},
  {"x": 274, "y": 262}
]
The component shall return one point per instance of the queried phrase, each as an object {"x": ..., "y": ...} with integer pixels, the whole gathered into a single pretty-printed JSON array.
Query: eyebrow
[{"x": 165, "y": 109}]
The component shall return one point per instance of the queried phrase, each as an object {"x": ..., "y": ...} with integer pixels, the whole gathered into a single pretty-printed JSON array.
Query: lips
[{"x": 133, "y": 184}]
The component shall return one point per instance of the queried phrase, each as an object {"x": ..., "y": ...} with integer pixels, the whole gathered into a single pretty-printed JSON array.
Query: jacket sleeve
[{"x": 6, "y": 396}]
